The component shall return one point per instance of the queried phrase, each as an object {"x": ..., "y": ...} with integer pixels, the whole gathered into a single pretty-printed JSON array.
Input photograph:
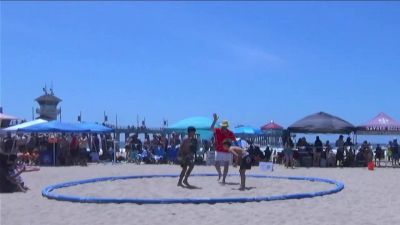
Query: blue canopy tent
[
  {"x": 95, "y": 128},
  {"x": 54, "y": 127},
  {"x": 202, "y": 125}
]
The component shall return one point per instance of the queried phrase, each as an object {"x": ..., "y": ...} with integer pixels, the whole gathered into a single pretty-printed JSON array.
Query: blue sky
[{"x": 248, "y": 61}]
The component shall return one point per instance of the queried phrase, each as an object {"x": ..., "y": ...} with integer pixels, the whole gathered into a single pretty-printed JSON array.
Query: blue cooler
[{"x": 46, "y": 158}]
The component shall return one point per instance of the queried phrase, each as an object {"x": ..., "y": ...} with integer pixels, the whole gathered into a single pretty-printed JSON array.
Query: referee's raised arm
[{"x": 215, "y": 118}]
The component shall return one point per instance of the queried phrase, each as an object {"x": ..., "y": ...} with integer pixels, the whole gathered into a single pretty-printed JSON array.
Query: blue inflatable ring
[{"x": 48, "y": 191}]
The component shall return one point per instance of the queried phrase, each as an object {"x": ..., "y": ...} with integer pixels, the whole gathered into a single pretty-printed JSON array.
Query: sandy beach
[{"x": 369, "y": 197}]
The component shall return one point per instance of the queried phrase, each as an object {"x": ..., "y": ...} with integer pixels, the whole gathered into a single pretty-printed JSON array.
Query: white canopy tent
[{"x": 23, "y": 125}]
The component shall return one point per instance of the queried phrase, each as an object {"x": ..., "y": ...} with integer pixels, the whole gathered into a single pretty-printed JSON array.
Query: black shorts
[
  {"x": 245, "y": 163},
  {"x": 186, "y": 160}
]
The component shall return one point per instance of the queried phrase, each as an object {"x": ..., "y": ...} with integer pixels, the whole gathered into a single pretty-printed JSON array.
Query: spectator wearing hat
[{"x": 222, "y": 156}]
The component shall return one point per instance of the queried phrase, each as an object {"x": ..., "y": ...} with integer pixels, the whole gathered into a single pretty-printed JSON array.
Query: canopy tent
[
  {"x": 273, "y": 133},
  {"x": 380, "y": 124},
  {"x": 202, "y": 125},
  {"x": 24, "y": 125},
  {"x": 323, "y": 123},
  {"x": 55, "y": 127},
  {"x": 7, "y": 117},
  {"x": 272, "y": 129},
  {"x": 271, "y": 126},
  {"x": 246, "y": 131},
  {"x": 95, "y": 128}
]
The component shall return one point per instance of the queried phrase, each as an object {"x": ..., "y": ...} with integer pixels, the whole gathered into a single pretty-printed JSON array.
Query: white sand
[{"x": 369, "y": 197}]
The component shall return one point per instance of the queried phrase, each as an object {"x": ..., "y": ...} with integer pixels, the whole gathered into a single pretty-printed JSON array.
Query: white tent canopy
[{"x": 23, "y": 125}]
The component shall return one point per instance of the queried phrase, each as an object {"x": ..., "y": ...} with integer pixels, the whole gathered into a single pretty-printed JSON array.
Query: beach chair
[
  {"x": 171, "y": 155},
  {"x": 159, "y": 155},
  {"x": 146, "y": 156}
]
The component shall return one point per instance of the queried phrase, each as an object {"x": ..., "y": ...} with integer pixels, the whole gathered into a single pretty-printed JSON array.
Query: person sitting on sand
[
  {"x": 243, "y": 159},
  {"x": 14, "y": 173},
  {"x": 186, "y": 155}
]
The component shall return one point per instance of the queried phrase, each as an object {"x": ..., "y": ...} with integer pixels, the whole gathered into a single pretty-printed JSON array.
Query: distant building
[{"x": 48, "y": 105}]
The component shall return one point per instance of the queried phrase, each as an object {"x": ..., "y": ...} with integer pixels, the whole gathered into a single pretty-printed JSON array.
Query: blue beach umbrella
[{"x": 247, "y": 131}]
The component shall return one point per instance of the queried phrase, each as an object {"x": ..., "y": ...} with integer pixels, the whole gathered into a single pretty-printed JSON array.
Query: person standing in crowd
[
  {"x": 368, "y": 154},
  {"x": 95, "y": 143},
  {"x": 340, "y": 151},
  {"x": 288, "y": 151},
  {"x": 74, "y": 149},
  {"x": 389, "y": 151},
  {"x": 318, "y": 150},
  {"x": 63, "y": 150},
  {"x": 395, "y": 153},
  {"x": 32, "y": 143},
  {"x": 267, "y": 154},
  {"x": 378, "y": 155},
  {"x": 222, "y": 156},
  {"x": 350, "y": 154},
  {"x": 8, "y": 143},
  {"x": 186, "y": 155},
  {"x": 365, "y": 149},
  {"x": 83, "y": 146},
  {"x": 328, "y": 154},
  {"x": 20, "y": 142}
]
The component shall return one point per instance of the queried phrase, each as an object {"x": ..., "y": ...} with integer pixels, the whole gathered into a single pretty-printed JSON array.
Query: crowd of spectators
[{"x": 344, "y": 153}]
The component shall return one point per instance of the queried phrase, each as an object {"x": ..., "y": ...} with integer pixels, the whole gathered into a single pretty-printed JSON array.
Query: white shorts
[{"x": 223, "y": 157}]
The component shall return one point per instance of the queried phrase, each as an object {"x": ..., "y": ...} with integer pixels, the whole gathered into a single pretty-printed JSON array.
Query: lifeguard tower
[{"x": 48, "y": 105}]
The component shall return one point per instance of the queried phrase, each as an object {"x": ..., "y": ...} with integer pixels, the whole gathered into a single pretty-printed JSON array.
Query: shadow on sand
[
  {"x": 229, "y": 183},
  {"x": 191, "y": 187}
]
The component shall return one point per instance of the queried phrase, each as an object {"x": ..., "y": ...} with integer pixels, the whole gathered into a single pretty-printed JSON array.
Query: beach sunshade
[
  {"x": 95, "y": 128},
  {"x": 202, "y": 125},
  {"x": 380, "y": 124},
  {"x": 24, "y": 125},
  {"x": 247, "y": 130},
  {"x": 198, "y": 122},
  {"x": 55, "y": 127},
  {"x": 321, "y": 123}
]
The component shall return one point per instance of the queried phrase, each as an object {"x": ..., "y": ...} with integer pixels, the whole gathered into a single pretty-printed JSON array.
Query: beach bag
[
  {"x": 94, "y": 157},
  {"x": 371, "y": 165}
]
